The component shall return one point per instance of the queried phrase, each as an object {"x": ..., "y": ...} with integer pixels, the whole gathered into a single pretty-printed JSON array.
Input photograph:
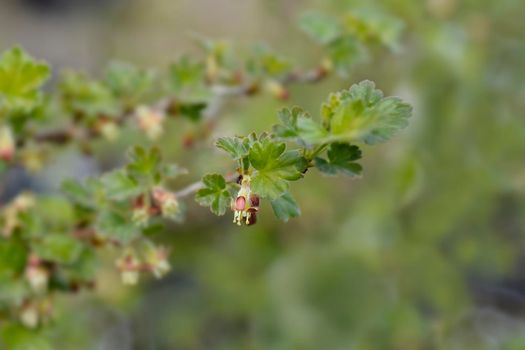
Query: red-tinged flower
[
  {"x": 129, "y": 266},
  {"x": 246, "y": 204},
  {"x": 151, "y": 121},
  {"x": 166, "y": 200}
]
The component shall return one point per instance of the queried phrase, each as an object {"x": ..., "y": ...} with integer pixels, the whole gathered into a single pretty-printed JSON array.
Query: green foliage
[
  {"x": 285, "y": 207},
  {"x": 59, "y": 248},
  {"x": 214, "y": 194},
  {"x": 296, "y": 125},
  {"x": 361, "y": 113},
  {"x": 87, "y": 97},
  {"x": 116, "y": 226},
  {"x": 347, "y": 37},
  {"x": 322, "y": 28},
  {"x": 341, "y": 159},
  {"x": 236, "y": 147},
  {"x": 16, "y": 337},
  {"x": 129, "y": 82},
  {"x": 50, "y": 244},
  {"x": 21, "y": 77},
  {"x": 274, "y": 166}
]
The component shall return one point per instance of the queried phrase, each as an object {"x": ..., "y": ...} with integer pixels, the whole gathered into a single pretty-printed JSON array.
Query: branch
[{"x": 194, "y": 187}]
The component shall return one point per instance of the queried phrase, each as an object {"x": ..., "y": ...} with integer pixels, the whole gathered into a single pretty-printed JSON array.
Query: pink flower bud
[{"x": 240, "y": 203}]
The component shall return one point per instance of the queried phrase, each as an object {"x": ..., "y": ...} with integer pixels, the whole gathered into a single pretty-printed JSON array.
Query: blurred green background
[{"x": 426, "y": 251}]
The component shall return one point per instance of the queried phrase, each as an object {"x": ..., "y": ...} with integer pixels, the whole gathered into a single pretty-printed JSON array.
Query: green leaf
[
  {"x": 235, "y": 146},
  {"x": 298, "y": 126},
  {"x": 341, "y": 159},
  {"x": 344, "y": 53},
  {"x": 59, "y": 248},
  {"x": 322, "y": 28},
  {"x": 374, "y": 28},
  {"x": 275, "y": 167},
  {"x": 285, "y": 207},
  {"x": 214, "y": 194},
  {"x": 192, "y": 111},
  {"x": 20, "y": 79},
  {"x": 16, "y": 337},
  {"x": 89, "y": 97},
  {"x": 114, "y": 226},
  {"x": 269, "y": 62},
  {"x": 144, "y": 163},
  {"x": 13, "y": 257},
  {"x": 119, "y": 186},
  {"x": 129, "y": 82},
  {"x": 361, "y": 113},
  {"x": 81, "y": 193},
  {"x": 186, "y": 74}
]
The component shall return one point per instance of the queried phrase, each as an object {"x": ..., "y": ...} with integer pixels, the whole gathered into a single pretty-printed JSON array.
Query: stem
[{"x": 194, "y": 187}]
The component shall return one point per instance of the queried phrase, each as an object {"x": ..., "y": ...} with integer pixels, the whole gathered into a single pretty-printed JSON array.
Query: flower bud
[
  {"x": 109, "y": 130},
  {"x": 150, "y": 121},
  {"x": 129, "y": 266},
  {"x": 7, "y": 144},
  {"x": 140, "y": 216},
  {"x": 37, "y": 276},
  {"x": 167, "y": 201},
  {"x": 157, "y": 260},
  {"x": 278, "y": 90},
  {"x": 29, "y": 316}
]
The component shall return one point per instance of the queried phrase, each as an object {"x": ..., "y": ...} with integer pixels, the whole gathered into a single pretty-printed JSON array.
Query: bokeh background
[{"x": 426, "y": 251}]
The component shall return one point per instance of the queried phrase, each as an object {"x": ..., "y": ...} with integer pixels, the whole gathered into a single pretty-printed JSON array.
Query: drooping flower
[
  {"x": 129, "y": 266},
  {"x": 37, "y": 275},
  {"x": 150, "y": 121},
  {"x": 157, "y": 261},
  {"x": 246, "y": 204},
  {"x": 166, "y": 200}
]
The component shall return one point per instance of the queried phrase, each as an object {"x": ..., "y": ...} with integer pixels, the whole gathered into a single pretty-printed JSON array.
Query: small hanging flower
[
  {"x": 36, "y": 274},
  {"x": 168, "y": 203},
  {"x": 129, "y": 266},
  {"x": 150, "y": 121},
  {"x": 157, "y": 261},
  {"x": 246, "y": 204}
]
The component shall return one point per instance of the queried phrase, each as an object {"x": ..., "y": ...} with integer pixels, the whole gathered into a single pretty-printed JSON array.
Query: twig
[{"x": 194, "y": 187}]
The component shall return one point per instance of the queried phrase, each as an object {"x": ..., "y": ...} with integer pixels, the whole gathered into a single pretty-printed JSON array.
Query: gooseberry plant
[{"x": 49, "y": 243}]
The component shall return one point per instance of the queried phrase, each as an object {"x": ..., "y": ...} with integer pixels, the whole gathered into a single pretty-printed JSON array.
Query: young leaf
[
  {"x": 322, "y": 28},
  {"x": 345, "y": 52},
  {"x": 144, "y": 164},
  {"x": 362, "y": 113},
  {"x": 129, "y": 82},
  {"x": 58, "y": 248},
  {"x": 20, "y": 78},
  {"x": 214, "y": 194},
  {"x": 80, "y": 193},
  {"x": 114, "y": 226},
  {"x": 274, "y": 166},
  {"x": 298, "y": 126},
  {"x": 119, "y": 186},
  {"x": 186, "y": 74},
  {"x": 235, "y": 146},
  {"x": 285, "y": 207},
  {"x": 341, "y": 159},
  {"x": 90, "y": 97}
]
